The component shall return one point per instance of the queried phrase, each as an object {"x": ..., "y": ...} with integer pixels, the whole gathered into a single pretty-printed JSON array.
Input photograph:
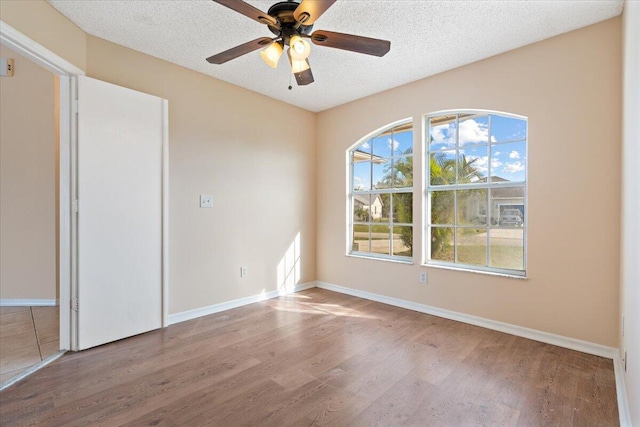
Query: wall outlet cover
[{"x": 206, "y": 201}]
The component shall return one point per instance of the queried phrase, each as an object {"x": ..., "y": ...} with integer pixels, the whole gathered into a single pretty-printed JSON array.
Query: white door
[{"x": 121, "y": 160}]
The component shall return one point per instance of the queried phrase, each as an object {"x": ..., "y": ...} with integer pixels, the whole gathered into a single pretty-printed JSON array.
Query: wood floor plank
[
  {"x": 318, "y": 358},
  {"x": 10, "y": 310}
]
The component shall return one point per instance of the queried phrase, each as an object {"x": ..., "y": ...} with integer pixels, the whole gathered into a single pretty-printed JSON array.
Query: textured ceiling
[{"x": 427, "y": 37}]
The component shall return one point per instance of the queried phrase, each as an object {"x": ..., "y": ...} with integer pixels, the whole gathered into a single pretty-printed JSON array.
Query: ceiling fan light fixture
[
  {"x": 298, "y": 66},
  {"x": 300, "y": 48},
  {"x": 271, "y": 55}
]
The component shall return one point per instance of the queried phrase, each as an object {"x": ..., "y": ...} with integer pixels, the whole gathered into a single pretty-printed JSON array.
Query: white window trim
[
  {"x": 426, "y": 245},
  {"x": 350, "y": 193}
]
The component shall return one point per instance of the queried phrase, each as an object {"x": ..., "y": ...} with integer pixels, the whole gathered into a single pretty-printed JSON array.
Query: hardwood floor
[
  {"x": 28, "y": 335},
  {"x": 318, "y": 358}
]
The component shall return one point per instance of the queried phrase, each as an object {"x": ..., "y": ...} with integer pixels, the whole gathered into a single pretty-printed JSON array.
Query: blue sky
[
  {"x": 508, "y": 159},
  {"x": 383, "y": 146}
]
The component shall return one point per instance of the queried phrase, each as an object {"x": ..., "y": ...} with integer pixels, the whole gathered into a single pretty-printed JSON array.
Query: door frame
[{"x": 67, "y": 74}]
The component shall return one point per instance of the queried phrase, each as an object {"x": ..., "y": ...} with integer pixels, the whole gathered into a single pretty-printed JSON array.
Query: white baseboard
[
  {"x": 545, "y": 337},
  {"x": 217, "y": 308},
  {"x": 621, "y": 392},
  {"x": 29, "y": 302}
]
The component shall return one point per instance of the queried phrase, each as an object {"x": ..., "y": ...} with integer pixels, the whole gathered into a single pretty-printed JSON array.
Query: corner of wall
[{"x": 42, "y": 23}]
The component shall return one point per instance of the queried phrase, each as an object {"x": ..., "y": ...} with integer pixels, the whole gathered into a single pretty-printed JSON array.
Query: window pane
[
  {"x": 507, "y": 206},
  {"x": 403, "y": 172},
  {"x": 361, "y": 208},
  {"x": 507, "y": 128},
  {"x": 362, "y": 152},
  {"x": 362, "y": 176},
  {"x": 385, "y": 201},
  {"x": 472, "y": 246},
  {"x": 403, "y": 208},
  {"x": 473, "y": 129},
  {"x": 360, "y": 238},
  {"x": 382, "y": 174},
  {"x": 508, "y": 162},
  {"x": 402, "y": 142},
  {"x": 403, "y": 241},
  {"x": 472, "y": 207},
  {"x": 442, "y": 207},
  {"x": 507, "y": 249},
  {"x": 442, "y": 132},
  {"x": 380, "y": 241},
  {"x": 442, "y": 168},
  {"x": 382, "y": 146},
  {"x": 511, "y": 215},
  {"x": 442, "y": 244},
  {"x": 473, "y": 164}
]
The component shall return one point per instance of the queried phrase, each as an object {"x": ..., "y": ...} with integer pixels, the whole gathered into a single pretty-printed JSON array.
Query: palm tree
[{"x": 442, "y": 171}]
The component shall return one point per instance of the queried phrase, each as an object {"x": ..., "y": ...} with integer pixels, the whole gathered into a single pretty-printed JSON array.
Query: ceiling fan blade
[
  {"x": 250, "y": 11},
  {"x": 311, "y": 9},
  {"x": 305, "y": 77},
  {"x": 350, "y": 42},
  {"x": 237, "y": 51}
]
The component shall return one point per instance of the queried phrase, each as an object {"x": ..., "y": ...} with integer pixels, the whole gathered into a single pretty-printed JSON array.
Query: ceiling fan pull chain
[{"x": 290, "y": 81}]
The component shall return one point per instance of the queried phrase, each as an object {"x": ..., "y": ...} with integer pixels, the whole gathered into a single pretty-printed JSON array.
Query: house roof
[
  {"x": 364, "y": 199},
  {"x": 361, "y": 156},
  {"x": 504, "y": 192}
]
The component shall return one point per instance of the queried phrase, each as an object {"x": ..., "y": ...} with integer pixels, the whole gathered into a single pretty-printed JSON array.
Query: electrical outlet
[
  {"x": 243, "y": 271},
  {"x": 206, "y": 201},
  {"x": 423, "y": 277}
]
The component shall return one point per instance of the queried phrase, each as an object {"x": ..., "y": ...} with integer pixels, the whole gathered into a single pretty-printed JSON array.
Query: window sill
[
  {"x": 468, "y": 270},
  {"x": 376, "y": 258}
]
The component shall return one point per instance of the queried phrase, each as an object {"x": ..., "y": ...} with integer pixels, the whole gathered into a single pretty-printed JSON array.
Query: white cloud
[
  {"x": 513, "y": 167},
  {"x": 443, "y": 134},
  {"x": 365, "y": 145},
  {"x": 472, "y": 131},
  {"x": 481, "y": 163},
  {"x": 393, "y": 144},
  {"x": 497, "y": 153},
  {"x": 514, "y": 155}
]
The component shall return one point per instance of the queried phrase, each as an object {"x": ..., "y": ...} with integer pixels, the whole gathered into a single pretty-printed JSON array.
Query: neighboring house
[
  {"x": 361, "y": 156},
  {"x": 362, "y": 201},
  {"x": 501, "y": 199}
]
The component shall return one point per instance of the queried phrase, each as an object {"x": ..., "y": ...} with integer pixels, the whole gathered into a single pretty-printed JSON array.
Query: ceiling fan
[{"x": 292, "y": 22}]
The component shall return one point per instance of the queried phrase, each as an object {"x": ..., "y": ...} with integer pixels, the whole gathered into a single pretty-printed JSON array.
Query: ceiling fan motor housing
[{"x": 283, "y": 13}]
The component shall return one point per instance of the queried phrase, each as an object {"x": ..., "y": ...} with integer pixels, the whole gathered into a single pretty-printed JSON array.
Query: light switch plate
[
  {"x": 6, "y": 67},
  {"x": 206, "y": 201}
]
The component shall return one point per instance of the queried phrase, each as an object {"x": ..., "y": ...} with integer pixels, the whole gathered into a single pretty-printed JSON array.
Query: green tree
[
  {"x": 442, "y": 171},
  {"x": 400, "y": 175}
]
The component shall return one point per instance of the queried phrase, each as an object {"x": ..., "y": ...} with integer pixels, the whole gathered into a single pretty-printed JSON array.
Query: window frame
[
  {"x": 351, "y": 193},
  {"x": 427, "y": 189}
]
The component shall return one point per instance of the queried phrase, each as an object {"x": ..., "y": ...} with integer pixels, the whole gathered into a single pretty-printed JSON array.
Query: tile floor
[{"x": 28, "y": 335}]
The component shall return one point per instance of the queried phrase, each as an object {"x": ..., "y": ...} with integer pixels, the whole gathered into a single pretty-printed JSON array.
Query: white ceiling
[{"x": 427, "y": 37}]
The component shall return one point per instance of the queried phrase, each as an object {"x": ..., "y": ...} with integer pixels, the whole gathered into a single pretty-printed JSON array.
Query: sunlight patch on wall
[{"x": 288, "y": 271}]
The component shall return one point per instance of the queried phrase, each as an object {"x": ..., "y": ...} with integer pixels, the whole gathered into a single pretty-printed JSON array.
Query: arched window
[
  {"x": 381, "y": 194},
  {"x": 476, "y": 175}
]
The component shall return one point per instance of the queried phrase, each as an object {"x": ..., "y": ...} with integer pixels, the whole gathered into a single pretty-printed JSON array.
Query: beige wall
[
  {"x": 45, "y": 25},
  {"x": 27, "y": 182},
  {"x": 631, "y": 207},
  {"x": 570, "y": 89},
  {"x": 255, "y": 156}
]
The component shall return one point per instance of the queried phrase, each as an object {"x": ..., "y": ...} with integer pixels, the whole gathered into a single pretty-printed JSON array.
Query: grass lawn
[
  {"x": 374, "y": 228},
  {"x": 501, "y": 256}
]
